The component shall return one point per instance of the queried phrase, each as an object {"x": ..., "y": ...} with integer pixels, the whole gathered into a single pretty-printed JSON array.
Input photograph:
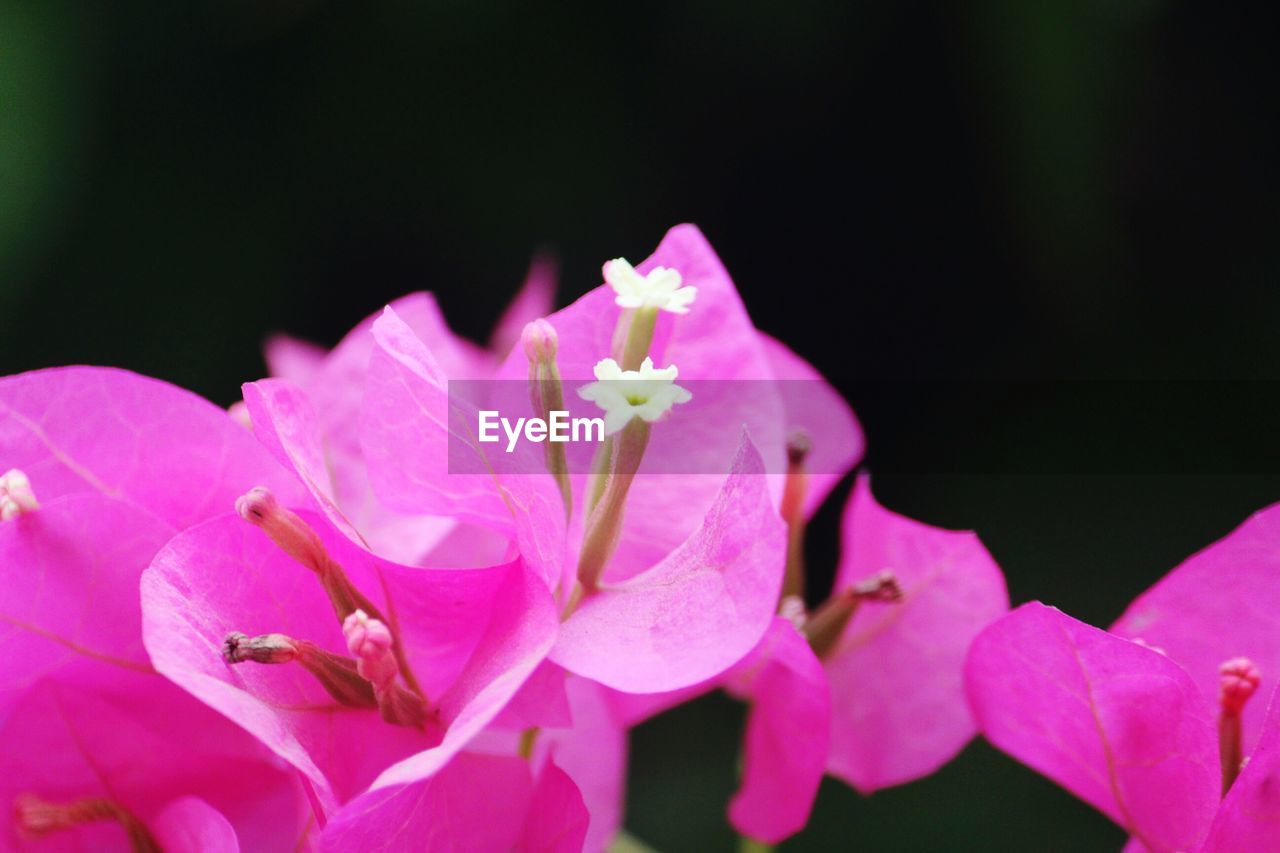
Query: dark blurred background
[{"x": 1034, "y": 243}]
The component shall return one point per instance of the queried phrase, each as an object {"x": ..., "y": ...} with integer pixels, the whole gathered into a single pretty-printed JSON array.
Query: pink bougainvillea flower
[
  {"x": 100, "y": 749},
  {"x": 563, "y": 794},
  {"x": 897, "y": 672},
  {"x": 693, "y": 613},
  {"x": 1130, "y": 721},
  {"x": 85, "y": 429},
  {"x": 870, "y": 688},
  {"x": 118, "y": 463},
  {"x": 1218, "y": 604},
  {"x": 358, "y": 671},
  {"x": 478, "y": 802},
  {"x": 141, "y": 766},
  {"x": 309, "y": 416},
  {"x": 1123, "y": 727},
  {"x": 745, "y": 376}
]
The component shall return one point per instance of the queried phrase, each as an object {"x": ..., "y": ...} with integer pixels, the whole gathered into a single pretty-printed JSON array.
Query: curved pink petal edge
[
  {"x": 897, "y": 674},
  {"x": 471, "y": 636},
  {"x": 476, "y": 802},
  {"x": 292, "y": 358},
  {"x": 1249, "y": 818},
  {"x": 592, "y": 750},
  {"x": 285, "y": 421},
  {"x": 536, "y": 298},
  {"x": 787, "y": 737},
  {"x": 409, "y": 429},
  {"x": 140, "y": 440},
  {"x": 837, "y": 442},
  {"x": 557, "y": 819},
  {"x": 1220, "y": 603},
  {"x": 699, "y": 610},
  {"x": 1116, "y": 723},
  {"x": 190, "y": 825}
]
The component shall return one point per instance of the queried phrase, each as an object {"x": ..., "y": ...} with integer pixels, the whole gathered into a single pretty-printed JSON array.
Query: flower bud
[{"x": 16, "y": 496}]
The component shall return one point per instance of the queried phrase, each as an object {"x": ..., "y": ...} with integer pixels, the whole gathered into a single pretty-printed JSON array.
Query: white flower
[
  {"x": 659, "y": 289},
  {"x": 647, "y": 393}
]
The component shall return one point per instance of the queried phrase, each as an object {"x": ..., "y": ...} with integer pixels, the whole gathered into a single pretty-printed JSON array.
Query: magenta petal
[
  {"x": 537, "y": 298},
  {"x": 1220, "y": 603},
  {"x": 86, "y": 429},
  {"x": 788, "y": 729},
  {"x": 477, "y": 802},
  {"x": 897, "y": 676},
  {"x": 557, "y": 818},
  {"x": 1249, "y": 818},
  {"x": 69, "y": 604},
  {"x": 813, "y": 406},
  {"x": 518, "y": 632},
  {"x": 1119, "y": 725},
  {"x": 142, "y": 743},
  {"x": 190, "y": 825},
  {"x": 593, "y": 752},
  {"x": 471, "y": 636},
  {"x": 286, "y": 423},
  {"x": 699, "y": 610},
  {"x": 542, "y": 702},
  {"x": 405, "y": 433},
  {"x": 293, "y": 359},
  {"x": 406, "y": 428}
]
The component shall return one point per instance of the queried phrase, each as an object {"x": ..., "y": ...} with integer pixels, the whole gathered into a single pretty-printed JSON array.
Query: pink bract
[
  {"x": 1118, "y": 724},
  {"x": 1220, "y": 603},
  {"x": 699, "y": 610},
  {"x": 472, "y": 636},
  {"x": 897, "y": 673}
]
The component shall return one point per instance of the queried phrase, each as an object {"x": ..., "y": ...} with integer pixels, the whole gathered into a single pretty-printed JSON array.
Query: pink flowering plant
[
  {"x": 340, "y": 616},
  {"x": 1156, "y": 722}
]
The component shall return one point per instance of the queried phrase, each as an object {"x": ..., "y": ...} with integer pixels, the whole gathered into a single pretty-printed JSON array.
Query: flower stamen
[
  {"x": 38, "y": 817},
  {"x": 16, "y": 496},
  {"x": 339, "y": 676},
  {"x": 1239, "y": 679},
  {"x": 792, "y": 512},
  {"x": 295, "y": 537},
  {"x": 546, "y": 393},
  {"x": 826, "y": 626},
  {"x": 371, "y": 642}
]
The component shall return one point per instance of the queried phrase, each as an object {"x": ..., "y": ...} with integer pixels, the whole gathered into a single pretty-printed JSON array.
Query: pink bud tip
[
  {"x": 1239, "y": 679},
  {"x": 793, "y": 610},
  {"x": 540, "y": 340},
  {"x": 366, "y": 637},
  {"x": 370, "y": 641},
  {"x": 16, "y": 496},
  {"x": 799, "y": 445},
  {"x": 257, "y": 505},
  {"x": 882, "y": 586},
  {"x": 239, "y": 413}
]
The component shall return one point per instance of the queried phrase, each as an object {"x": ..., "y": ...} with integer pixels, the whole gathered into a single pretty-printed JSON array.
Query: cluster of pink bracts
[{"x": 288, "y": 626}]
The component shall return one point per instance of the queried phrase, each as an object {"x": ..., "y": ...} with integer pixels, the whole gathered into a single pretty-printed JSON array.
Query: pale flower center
[
  {"x": 661, "y": 288},
  {"x": 647, "y": 393}
]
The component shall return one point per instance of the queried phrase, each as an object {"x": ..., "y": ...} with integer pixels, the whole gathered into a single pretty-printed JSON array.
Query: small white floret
[
  {"x": 647, "y": 393},
  {"x": 661, "y": 288}
]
